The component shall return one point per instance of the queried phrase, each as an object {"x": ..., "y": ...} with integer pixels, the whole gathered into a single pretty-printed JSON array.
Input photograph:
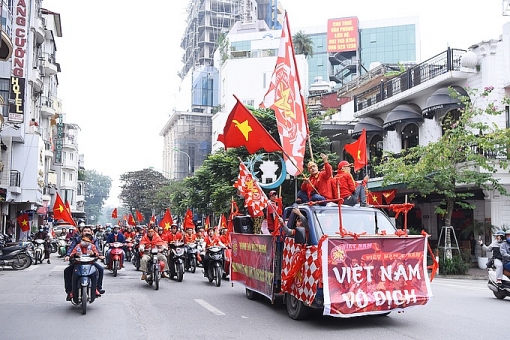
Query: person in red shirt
[
  {"x": 190, "y": 236},
  {"x": 174, "y": 234},
  {"x": 318, "y": 186},
  {"x": 272, "y": 211},
  {"x": 211, "y": 240},
  {"x": 350, "y": 191},
  {"x": 225, "y": 237},
  {"x": 129, "y": 233},
  {"x": 149, "y": 241}
]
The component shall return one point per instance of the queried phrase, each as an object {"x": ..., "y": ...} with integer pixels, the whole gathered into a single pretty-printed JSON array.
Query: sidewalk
[{"x": 474, "y": 273}]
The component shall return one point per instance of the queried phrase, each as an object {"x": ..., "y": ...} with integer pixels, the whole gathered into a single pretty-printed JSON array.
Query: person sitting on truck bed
[
  {"x": 318, "y": 186},
  {"x": 350, "y": 191},
  {"x": 300, "y": 221}
]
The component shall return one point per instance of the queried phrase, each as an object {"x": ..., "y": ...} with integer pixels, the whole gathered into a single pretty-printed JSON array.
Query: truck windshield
[{"x": 356, "y": 221}]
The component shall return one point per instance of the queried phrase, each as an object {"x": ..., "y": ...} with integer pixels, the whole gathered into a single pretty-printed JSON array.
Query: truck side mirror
[{"x": 299, "y": 235}]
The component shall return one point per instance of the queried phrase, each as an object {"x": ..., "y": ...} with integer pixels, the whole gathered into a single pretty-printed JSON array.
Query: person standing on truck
[
  {"x": 350, "y": 191},
  {"x": 272, "y": 211},
  {"x": 318, "y": 186}
]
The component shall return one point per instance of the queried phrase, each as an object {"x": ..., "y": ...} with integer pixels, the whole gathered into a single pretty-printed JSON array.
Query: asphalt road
[{"x": 33, "y": 306}]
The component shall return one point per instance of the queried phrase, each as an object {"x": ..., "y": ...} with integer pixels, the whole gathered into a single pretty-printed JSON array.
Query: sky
[{"x": 120, "y": 58}]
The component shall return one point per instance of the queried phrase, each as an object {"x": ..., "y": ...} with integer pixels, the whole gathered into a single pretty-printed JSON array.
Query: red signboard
[
  {"x": 252, "y": 262},
  {"x": 374, "y": 275},
  {"x": 343, "y": 35}
]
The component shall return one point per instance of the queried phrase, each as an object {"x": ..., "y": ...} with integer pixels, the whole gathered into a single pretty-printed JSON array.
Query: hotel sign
[
  {"x": 343, "y": 35},
  {"x": 20, "y": 39},
  {"x": 59, "y": 141}
]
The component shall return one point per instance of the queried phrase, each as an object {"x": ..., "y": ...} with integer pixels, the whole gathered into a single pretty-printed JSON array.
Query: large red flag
[
  {"x": 249, "y": 188},
  {"x": 358, "y": 150},
  {"x": 286, "y": 99},
  {"x": 114, "y": 213},
  {"x": 188, "y": 220},
  {"x": 131, "y": 220},
  {"x": 23, "y": 222},
  {"x": 60, "y": 212},
  {"x": 167, "y": 220},
  {"x": 139, "y": 216},
  {"x": 243, "y": 129}
]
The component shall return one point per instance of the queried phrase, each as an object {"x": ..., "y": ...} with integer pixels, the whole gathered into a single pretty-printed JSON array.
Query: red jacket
[
  {"x": 189, "y": 238},
  {"x": 321, "y": 182},
  {"x": 212, "y": 241},
  {"x": 84, "y": 250},
  {"x": 346, "y": 182},
  {"x": 151, "y": 243},
  {"x": 169, "y": 237}
]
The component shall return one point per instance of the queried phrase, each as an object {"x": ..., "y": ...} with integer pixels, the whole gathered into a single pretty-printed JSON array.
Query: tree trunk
[{"x": 450, "y": 204}]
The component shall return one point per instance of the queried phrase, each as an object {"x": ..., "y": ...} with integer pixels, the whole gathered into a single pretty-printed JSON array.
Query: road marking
[
  {"x": 209, "y": 307},
  {"x": 59, "y": 268},
  {"x": 32, "y": 267}
]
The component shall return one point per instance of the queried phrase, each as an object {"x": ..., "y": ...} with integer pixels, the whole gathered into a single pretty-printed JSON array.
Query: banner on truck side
[
  {"x": 252, "y": 262},
  {"x": 374, "y": 275}
]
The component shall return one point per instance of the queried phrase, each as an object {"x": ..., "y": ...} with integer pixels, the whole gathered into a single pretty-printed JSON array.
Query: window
[
  {"x": 410, "y": 136},
  {"x": 70, "y": 177}
]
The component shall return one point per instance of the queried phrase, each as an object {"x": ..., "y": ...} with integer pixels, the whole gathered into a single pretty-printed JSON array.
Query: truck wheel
[
  {"x": 251, "y": 295},
  {"x": 295, "y": 308}
]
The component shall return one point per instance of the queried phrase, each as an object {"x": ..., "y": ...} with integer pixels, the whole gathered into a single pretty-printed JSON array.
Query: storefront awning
[
  {"x": 5, "y": 46},
  {"x": 370, "y": 124},
  {"x": 404, "y": 113},
  {"x": 442, "y": 102}
]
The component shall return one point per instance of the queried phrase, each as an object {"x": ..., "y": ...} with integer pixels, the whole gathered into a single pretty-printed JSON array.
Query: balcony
[
  {"x": 40, "y": 30},
  {"x": 48, "y": 65},
  {"x": 47, "y": 109},
  {"x": 37, "y": 83}
]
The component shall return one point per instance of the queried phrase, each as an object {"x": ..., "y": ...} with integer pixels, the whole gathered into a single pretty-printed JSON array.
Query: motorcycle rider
[
  {"x": 174, "y": 234},
  {"x": 116, "y": 236},
  {"x": 494, "y": 247},
  {"x": 211, "y": 240},
  {"x": 63, "y": 233},
  {"x": 151, "y": 240},
  {"x": 68, "y": 272},
  {"x": 43, "y": 234},
  {"x": 505, "y": 251},
  {"x": 129, "y": 234}
]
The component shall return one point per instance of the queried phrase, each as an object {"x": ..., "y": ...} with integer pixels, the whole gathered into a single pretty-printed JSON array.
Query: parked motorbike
[
  {"x": 84, "y": 282},
  {"x": 39, "y": 250},
  {"x": 190, "y": 264},
  {"x": 501, "y": 290},
  {"x": 214, "y": 270},
  {"x": 176, "y": 258},
  {"x": 154, "y": 269},
  {"x": 129, "y": 249},
  {"x": 61, "y": 246},
  {"x": 19, "y": 256},
  {"x": 116, "y": 259}
]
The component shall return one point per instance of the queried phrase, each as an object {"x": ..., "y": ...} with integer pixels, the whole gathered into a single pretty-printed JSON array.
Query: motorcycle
[
  {"x": 214, "y": 270},
  {"x": 39, "y": 250},
  {"x": 136, "y": 252},
  {"x": 129, "y": 249},
  {"x": 501, "y": 290},
  {"x": 18, "y": 256},
  {"x": 190, "y": 263},
  {"x": 116, "y": 259},
  {"x": 54, "y": 246},
  {"x": 84, "y": 282},
  {"x": 176, "y": 258},
  {"x": 154, "y": 269},
  {"x": 201, "y": 251},
  {"x": 61, "y": 246}
]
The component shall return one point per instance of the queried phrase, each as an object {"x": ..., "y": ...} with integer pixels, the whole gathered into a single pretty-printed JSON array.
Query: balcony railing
[{"x": 442, "y": 63}]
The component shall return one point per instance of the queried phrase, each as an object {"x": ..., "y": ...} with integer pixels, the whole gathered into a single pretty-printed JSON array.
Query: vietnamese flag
[
  {"x": 114, "y": 213},
  {"x": 139, "y": 216},
  {"x": 153, "y": 220},
  {"x": 374, "y": 198},
  {"x": 207, "y": 223},
  {"x": 223, "y": 222},
  {"x": 188, "y": 220},
  {"x": 389, "y": 195},
  {"x": 131, "y": 220},
  {"x": 243, "y": 129},
  {"x": 358, "y": 151},
  {"x": 167, "y": 221},
  {"x": 23, "y": 222},
  {"x": 60, "y": 212}
]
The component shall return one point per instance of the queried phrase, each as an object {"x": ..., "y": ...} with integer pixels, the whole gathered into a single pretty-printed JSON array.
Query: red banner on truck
[
  {"x": 374, "y": 275},
  {"x": 252, "y": 262}
]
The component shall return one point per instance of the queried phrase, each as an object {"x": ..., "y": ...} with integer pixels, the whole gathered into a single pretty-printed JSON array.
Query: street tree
[
  {"x": 174, "y": 195},
  {"x": 97, "y": 190},
  {"x": 470, "y": 152},
  {"x": 303, "y": 44},
  {"x": 138, "y": 191}
]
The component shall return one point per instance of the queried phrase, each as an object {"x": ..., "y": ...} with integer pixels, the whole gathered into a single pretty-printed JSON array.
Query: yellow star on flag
[
  {"x": 167, "y": 226},
  {"x": 244, "y": 127},
  {"x": 60, "y": 208},
  {"x": 283, "y": 103},
  {"x": 25, "y": 222}
]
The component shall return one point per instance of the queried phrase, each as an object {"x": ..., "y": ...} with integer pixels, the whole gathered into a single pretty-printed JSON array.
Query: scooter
[
  {"x": 176, "y": 258},
  {"x": 116, "y": 259},
  {"x": 18, "y": 256},
  {"x": 84, "y": 282},
  {"x": 190, "y": 263},
  {"x": 501, "y": 290},
  {"x": 62, "y": 246},
  {"x": 129, "y": 249},
  {"x": 39, "y": 250},
  {"x": 201, "y": 252},
  {"x": 214, "y": 270},
  {"x": 154, "y": 269}
]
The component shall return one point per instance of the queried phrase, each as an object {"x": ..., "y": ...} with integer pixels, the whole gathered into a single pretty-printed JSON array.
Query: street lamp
[{"x": 189, "y": 159}]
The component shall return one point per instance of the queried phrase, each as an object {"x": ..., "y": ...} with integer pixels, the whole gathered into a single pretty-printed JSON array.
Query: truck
[{"x": 348, "y": 262}]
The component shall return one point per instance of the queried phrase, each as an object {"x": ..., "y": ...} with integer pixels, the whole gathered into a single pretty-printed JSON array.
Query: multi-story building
[{"x": 31, "y": 110}]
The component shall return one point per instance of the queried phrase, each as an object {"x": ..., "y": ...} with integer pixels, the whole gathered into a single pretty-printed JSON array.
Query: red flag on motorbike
[
  {"x": 139, "y": 216},
  {"x": 167, "y": 220},
  {"x": 60, "y": 212},
  {"x": 153, "y": 220},
  {"x": 188, "y": 220},
  {"x": 23, "y": 222},
  {"x": 207, "y": 223},
  {"x": 114, "y": 213},
  {"x": 131, "y": 220},
  {"x": 223, "y": 222}
]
